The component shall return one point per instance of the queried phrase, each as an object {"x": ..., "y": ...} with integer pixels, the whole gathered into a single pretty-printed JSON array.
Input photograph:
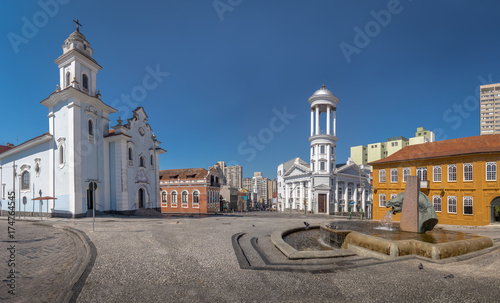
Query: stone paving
[{"x": 183, "y": 259}]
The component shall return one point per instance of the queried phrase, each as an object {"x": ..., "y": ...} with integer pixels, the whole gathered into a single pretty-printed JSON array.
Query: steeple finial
[
  {"x": 323, "y": 86},
  {"x": 77, "y": 25}
]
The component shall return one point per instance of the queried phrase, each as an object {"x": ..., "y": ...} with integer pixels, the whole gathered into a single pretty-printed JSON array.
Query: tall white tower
[{"x": 323, "y": 140}]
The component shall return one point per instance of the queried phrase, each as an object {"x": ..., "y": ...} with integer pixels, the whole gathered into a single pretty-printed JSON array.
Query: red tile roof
[
  {"x": 4, "y": 148},
  {"x": 183, "y": 173},
  {"x": 454, "y": 147}
]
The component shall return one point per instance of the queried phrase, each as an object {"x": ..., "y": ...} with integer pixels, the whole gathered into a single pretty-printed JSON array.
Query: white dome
[{"x": 323, "y": 91}]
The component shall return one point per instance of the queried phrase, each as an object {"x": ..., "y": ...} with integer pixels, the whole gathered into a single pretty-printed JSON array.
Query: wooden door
[{"x": 321, "y": 203}]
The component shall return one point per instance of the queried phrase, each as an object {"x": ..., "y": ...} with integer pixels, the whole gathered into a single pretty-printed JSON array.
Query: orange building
[
  {"x": 190, "y": 190},
  {"x": 459, "y": 176}
]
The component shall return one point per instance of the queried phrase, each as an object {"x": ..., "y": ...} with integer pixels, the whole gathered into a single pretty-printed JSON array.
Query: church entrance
[
  {"x": 91, "y": 195},
  {"x": 321, "y": 203},
  {"x": 495, "y": 210},
  {"x": 141, "y": 198}
]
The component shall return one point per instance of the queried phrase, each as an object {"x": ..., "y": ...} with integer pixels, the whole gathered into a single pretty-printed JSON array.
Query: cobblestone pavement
[
  {"x": 189, "y": 259},
  {"x": 45, "y": 260}
]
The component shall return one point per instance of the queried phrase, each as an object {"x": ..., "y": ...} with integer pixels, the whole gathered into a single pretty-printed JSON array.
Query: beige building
[
  {"x": 490, "y": 109},
  {"x": 363, "y": 154},
  {"x": 234, "y": 175}
]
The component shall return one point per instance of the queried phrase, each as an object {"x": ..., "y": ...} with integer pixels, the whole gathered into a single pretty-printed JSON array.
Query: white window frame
[
  {"x": 174, "y": 202},
  {"x": 381, "y": 176},
  {"x": 91, "y": 130},
  {"x": 164, "y": 203},
  {"x": 449, "y": 175},
  {"x": 196, "y": 205},
  {"x": 61, "y": 152},
  {"x": 322, "y": 165},
  {"x": 467, "y": 165},
  {"x": 435, "y": 204},
  {"x": 448, "y": 204},
  {"x": 380, "y": 196},
  {"x": 184, "y": 204},
  {"x": 421, "y": 171},
  {"x": 492, "y": 164},
  {"x": 394, "y": 175},
  {"x": 434, "y": 173},
  {"x": 406, "y": 173},
  {"x": 393, "y": 196},
  {"x": 468, "y": 200}
]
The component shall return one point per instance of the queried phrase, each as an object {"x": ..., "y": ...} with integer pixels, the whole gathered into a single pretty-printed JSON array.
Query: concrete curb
[
  {"x": 85, "y": 253},
  {"x": 292, "y": 253}
]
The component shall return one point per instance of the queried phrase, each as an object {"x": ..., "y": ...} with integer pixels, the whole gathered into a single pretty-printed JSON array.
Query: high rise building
[
  {"x": 248, "y": 184},
  {"x": 490, "y": 109},
  {"x": 234, "y": 176}
]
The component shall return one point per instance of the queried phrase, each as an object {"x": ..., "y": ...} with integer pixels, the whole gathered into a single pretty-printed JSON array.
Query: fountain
[{"x": 414, "y": 234}]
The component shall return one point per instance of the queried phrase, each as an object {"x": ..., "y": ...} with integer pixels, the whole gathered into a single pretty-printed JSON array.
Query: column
[
  {"x": 329, "y": 158},
  {"x": 328, "y": 120},
  {"x": 301, "y": 195},
  {"x": 312, "y": 122},
  {"x": 363, "y": 200},
  {"x": 309, "y": 196},
  {"x": 317, "y": 120},
  {"x": 346, "y": 202},
  {"x": 355, "y": 198},
  {"x": 287, "y": 198},
  {"x": 328, "y": 202},
  {"x": 335, "y": 123},
  {"x": 336, "y": 196}
]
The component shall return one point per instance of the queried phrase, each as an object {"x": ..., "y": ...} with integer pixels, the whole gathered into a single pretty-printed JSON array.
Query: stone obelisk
[{"x": 409, "y": 211}]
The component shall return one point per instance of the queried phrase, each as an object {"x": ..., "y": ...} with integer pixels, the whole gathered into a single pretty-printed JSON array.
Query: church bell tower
[
  {"x": 323, "y": 140},
  {"x": 77, "y": 68}
]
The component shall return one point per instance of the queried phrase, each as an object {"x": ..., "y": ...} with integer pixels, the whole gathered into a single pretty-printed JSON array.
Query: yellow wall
[{"x": 482, "y": 191}]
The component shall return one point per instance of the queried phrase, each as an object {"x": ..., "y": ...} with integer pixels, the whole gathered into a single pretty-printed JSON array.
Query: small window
[
  {"x": 61, "y": 155},
  {"x": 25, "y": 180},
  {"x": 322, "y": 149},
  {"x": 91, "y": 128},
  {"x": 349, "y": 193},
  {"x": 321, "y": 165},
  {"x": 130, "y": 158},
  {"x": 196, "y": 197},
  {"x": 436, "y": 173},
  {"x": 184, "y": 197},
  {"x": 381, "y": 176},
  {"x": 491, "y": 171},
  {"x": 174, "y": 198},
  {"x": 436, "y": 201},
  {"x": 85, "y": 81},
  {"x": 68, "y": 78},
  {"x": 164, "y": 197},
  {"x": 151, "y": 162},
  {"x": 452, "y": 172},
  {"x": 422, "y": 173},
  {"x": 141, "y": 161},
  {"x": 468, "y": 206},
  {"x": 452, "y": 205},
  {"x": 468, "y": 171},
  {"x": 381, "y": 200},
  {"x": 394, "y": 175},
  {"x": 406, "y": 173}
]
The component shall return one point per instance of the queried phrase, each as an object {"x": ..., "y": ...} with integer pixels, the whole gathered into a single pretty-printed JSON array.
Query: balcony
[{"x": 424, "y": 184}]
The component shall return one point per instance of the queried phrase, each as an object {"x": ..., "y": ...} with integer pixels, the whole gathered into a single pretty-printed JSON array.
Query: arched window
[
  {"x": 130, "y": 154},
  {"x": 68, "y": 78},
  {"x": 91, "y": 128},
  {"x": 61, "y": 155},
  {"x": 25, "y": 180},
  {"x": 141, "y": 161},
  {"x": 184, "y": 197},
  {"x": 164, "y": 197},
  {"x": 196, "y": 197},
  {"x": 151, "y": 160},
  {"x": 174, "y": 197},
  {"x": 85, "y": 81}
]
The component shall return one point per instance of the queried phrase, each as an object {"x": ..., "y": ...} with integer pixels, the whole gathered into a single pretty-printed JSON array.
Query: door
[
  {"x": 321, "y": 203},
  {"x": 141, "y": 198}
]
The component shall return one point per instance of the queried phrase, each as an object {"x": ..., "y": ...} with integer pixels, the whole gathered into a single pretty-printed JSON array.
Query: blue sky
[{"x": 234, "y": 67}]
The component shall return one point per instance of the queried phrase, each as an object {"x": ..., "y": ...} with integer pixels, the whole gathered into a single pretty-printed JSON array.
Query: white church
[
  {"x": 82, "y": 162},
  {"x": 322, "y": 186}
]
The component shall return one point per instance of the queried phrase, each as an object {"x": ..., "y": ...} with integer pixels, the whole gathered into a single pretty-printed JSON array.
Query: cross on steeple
[{"x": 77, "y": 25}]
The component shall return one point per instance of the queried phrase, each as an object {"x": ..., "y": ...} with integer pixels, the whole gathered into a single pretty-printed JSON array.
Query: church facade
[
  {"x": 82, "y": 162},
  {"x": 320, "y": 185}
]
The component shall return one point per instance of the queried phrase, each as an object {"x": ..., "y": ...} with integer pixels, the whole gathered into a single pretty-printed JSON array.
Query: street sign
[{"x": 352, "y": 202}]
